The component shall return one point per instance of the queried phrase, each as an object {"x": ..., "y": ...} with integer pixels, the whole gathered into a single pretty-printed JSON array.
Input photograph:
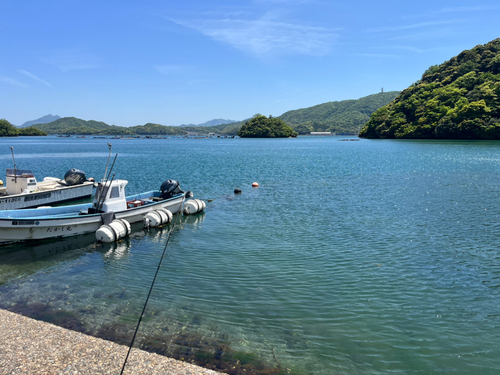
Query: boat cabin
[
  {"x": 110, "y": 196},
  {"x": 20, "y": 181}
]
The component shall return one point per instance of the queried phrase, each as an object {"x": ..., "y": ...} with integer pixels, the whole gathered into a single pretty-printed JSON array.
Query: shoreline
[{"x": 30, "y": 346}]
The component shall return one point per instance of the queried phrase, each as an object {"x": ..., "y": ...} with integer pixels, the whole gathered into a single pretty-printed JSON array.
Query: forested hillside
[
  {"x": 9, "y": 130},
  {"x": 458, "y": 99},
  {"x": 346, "y": 116}
]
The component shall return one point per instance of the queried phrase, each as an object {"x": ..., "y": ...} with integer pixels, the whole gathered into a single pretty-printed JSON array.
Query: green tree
[
  {"x": 455, "y": 100},
  {"x": 7, "y": 129},
  {"x": 262, "y": 127},
  {"x": 31, "y": 131}
]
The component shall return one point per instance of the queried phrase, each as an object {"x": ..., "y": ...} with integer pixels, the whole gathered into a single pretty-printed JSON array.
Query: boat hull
[
  {"x": 46, "y": 197},
  {"x": 31, "y": 225}
]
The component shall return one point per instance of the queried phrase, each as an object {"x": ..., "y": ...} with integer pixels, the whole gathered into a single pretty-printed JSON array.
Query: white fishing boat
[
  {"x": 110, "y": 202},
  {"x": 23, "y": 191}
]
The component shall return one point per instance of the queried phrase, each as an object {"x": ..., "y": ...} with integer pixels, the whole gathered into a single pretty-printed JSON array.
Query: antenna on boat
[
  {"x": 109, "y": 156},
  {"x": 14, "y": 160}
]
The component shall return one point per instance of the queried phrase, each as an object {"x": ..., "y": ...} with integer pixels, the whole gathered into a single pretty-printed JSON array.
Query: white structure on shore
[{"x": 322, "y": 133}]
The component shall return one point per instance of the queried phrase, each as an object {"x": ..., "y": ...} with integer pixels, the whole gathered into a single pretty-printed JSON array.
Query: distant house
[{"x": 321, "y": 133}]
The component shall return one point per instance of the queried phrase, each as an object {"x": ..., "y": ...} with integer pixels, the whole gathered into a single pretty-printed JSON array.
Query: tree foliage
[
  {"x": 458, "y": 99},
  {"x": 346, "y": 116},
  {"x": 9, "y": 130},
  {"x": 31, "y": 131},
  {"x": 263, "y": 127}
]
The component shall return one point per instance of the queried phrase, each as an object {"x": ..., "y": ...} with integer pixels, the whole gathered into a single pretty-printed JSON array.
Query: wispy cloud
[
  {"x": 426, "y": 35},
  {"x": 199, "y": 81},
  {"x": 13, "y": 82},
  {"x": 477, "y": 8},
  {"x": 174, "y": 69},
  {"x": 412, "y": 26},
  {"x": 28, "y": 74},
  {"x": 73, "y": 59},
  {"x": 378, "y": 55},
  {"x": 267, "y": 35}
]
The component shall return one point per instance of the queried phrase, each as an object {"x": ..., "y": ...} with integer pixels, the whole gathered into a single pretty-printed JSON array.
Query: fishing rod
[
  {"x": 104, "y": 180},
  {"x": 107, "y": 179},
  {"x": 109, "y": 156},
  {"x": 149, "y": 294},
  {"x": 15, "y": 166},
  {"x": 112, "y": 165},
  {"x": 101, "y": 201}
]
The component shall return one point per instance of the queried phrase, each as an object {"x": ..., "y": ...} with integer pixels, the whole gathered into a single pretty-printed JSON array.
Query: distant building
[{"x": 321, "y": 133}]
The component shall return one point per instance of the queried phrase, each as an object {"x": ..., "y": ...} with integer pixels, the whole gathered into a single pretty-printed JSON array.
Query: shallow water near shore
[{"x": 366, "y": 257}]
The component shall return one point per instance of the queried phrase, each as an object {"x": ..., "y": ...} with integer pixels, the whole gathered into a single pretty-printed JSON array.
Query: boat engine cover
[
  {"x": 75, "y": 177},
  {"x": 170, "y": 188}
]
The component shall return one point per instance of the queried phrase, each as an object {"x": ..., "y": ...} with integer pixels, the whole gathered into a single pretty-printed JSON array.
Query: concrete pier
[{"x": 29, "y": 346}]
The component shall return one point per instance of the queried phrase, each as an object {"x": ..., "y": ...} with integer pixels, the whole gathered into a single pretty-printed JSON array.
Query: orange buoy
[{"x": 255, "y": 184}]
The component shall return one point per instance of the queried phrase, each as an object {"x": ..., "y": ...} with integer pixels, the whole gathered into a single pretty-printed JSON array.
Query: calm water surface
[{"x": 352, "y": 257}]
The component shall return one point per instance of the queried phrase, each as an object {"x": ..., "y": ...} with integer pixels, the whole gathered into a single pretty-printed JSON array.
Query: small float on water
[{"x": 110, "y": 205}]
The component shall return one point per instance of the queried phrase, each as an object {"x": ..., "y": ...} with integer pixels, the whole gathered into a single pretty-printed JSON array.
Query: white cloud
[
  {"x": 12, "y": 82},
  {"x": 73, "y": 59},
  {"x": 268, "y": 36},
  {"x": 28, "y": 74}
]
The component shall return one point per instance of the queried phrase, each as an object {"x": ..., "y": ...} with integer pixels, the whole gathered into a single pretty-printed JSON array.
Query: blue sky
[{"x": 179, "y": 62}]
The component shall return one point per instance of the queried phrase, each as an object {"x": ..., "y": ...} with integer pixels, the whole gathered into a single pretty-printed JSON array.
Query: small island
[
  {"x": 9, "y": 130},
  {"x": 260, "y": 126}
]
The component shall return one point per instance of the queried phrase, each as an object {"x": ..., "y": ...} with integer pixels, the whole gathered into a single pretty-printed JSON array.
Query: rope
[{"x": 149, "y": 294}]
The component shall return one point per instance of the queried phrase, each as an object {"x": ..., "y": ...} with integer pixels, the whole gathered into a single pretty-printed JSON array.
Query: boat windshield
[{"x": 19, "y": 173}]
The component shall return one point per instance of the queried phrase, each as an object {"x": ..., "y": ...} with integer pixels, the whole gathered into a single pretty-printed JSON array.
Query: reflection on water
[
  {"x": 99, "y": 289},
  {"x": 368, "y": 257}
]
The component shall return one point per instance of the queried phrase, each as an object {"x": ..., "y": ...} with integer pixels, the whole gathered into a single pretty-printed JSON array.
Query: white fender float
[
  {"x": 193, "y": 206},
  {"x": 116, "y": 230},
  {"x": 160, "y": 216}
]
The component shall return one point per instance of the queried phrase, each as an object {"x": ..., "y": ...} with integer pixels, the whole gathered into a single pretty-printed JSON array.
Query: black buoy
[{"x": 237, "y": 191}]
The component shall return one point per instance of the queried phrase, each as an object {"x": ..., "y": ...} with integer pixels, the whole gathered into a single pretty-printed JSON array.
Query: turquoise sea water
[{"x": 352, "y": 257}]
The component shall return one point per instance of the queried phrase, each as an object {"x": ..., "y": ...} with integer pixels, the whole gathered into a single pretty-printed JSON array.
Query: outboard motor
[
  {"x": 74, "y": 177},
  {"x": 170, "y": 188}
]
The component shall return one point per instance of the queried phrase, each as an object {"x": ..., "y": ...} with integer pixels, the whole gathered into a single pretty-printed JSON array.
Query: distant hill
[
  {"x": 41, "y": 120},
  {"x": 76, "y": 126},
  {"x": 342, "y": 117},
  {"x": 346, "y": 116},
  {"x": 458, "y": 99},
  {"x": 215, "y": 122}
]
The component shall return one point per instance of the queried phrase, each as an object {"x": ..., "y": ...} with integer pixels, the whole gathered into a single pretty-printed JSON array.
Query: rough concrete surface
[{"x": 29, "y": 346}]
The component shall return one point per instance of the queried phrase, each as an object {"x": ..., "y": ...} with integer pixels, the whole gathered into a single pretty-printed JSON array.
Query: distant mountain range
[
  {"x": 215, "y": 122},
  {"x": 346, "y": 116},
  {"x": 49, "y": 118},
  {"x": 42, "y": 120}
]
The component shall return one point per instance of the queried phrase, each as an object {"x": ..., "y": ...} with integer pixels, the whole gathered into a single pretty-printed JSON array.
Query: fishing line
[{"x": 149, "y": 294}]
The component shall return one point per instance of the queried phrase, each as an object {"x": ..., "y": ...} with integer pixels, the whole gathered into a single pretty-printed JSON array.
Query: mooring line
[{"x": 149, "y": 294}]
